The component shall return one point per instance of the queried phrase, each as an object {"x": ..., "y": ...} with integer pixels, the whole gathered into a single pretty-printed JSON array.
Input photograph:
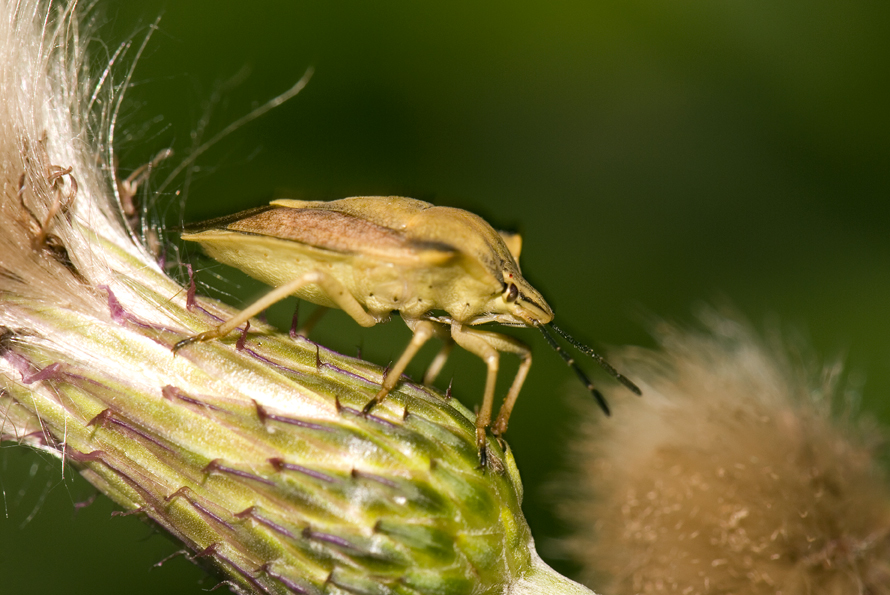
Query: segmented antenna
[
  {"x": 571, "y": 362},
  {"x": 598, "y": 358}
]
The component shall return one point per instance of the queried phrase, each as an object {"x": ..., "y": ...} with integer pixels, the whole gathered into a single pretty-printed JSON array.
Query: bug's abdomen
[{"x": 273, "y": 262}]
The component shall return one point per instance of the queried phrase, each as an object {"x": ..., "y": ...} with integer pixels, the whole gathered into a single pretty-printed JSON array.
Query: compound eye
[{"x": 512, "y": 293}]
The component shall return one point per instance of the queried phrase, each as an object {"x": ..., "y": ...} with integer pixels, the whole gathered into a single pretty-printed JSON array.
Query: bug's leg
[
  {"x": 476, "y": 343},
  {"x": 488, "y": 345},
  {"x": 432, "y": 372},
  {"x": 332, "y": 288},
  {"x": 313, "y": 319},
  {"x": 423, "y": 331},
  {"x": 512, "y": 345}
]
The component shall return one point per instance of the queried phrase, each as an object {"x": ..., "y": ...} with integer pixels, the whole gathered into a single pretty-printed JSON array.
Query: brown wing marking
[
  {"x": 391, "y": 212},
  {"x": 339, "y": 232},
  {"x": 222, "y": 222}
]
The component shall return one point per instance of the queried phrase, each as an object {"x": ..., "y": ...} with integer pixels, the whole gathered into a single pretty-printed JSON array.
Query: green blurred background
[{"x": 655, "y": 156}]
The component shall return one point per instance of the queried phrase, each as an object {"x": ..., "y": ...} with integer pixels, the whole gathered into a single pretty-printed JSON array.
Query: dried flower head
[{"x": 731, "y": 476}]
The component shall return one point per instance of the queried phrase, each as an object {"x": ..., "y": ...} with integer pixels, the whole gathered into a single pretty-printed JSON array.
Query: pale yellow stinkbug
[{"x": 444, "y": 270}]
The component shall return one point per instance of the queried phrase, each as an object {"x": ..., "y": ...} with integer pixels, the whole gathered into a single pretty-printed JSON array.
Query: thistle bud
[{"x": 253, "y": 453}]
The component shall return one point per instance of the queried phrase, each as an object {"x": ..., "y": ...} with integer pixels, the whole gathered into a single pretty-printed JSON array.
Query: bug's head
[{"x": 520, "y": 303}]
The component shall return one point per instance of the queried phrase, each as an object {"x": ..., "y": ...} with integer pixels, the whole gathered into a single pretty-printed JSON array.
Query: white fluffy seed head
[
  {"x": 730, "y": 476},
  {"x": 56, "y": 122}
]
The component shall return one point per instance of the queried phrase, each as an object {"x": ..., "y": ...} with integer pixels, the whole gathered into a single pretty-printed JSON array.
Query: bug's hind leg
[
  {"x": 488, "y": 346},
  {"x": 303, "y": 330},
  {"x": 424, "y": 330},
  {"x": 333, "y": 289}
]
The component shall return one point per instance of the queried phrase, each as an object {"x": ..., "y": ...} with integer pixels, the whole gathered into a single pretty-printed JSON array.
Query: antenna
[
  {"x": 571, "y": 362},
  {"x": 598, "y": 358}
]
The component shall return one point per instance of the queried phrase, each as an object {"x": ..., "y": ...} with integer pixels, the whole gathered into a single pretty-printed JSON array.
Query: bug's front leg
[
  {"x": 331, "y": 286},
  {"x": 488, "y": 346}
]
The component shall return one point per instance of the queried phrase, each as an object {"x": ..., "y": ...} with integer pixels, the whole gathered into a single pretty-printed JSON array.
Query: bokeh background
[{"x": 655, "y": 155}]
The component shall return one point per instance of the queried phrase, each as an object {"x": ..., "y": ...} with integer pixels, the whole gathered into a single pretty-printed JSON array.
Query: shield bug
[{"x": 444, "y": 270}]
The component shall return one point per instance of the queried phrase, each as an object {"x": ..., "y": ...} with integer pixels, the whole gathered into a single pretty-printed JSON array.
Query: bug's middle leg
[
  {"x": 432, "y": 372},
  {"x": 424, "y": 330}
]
